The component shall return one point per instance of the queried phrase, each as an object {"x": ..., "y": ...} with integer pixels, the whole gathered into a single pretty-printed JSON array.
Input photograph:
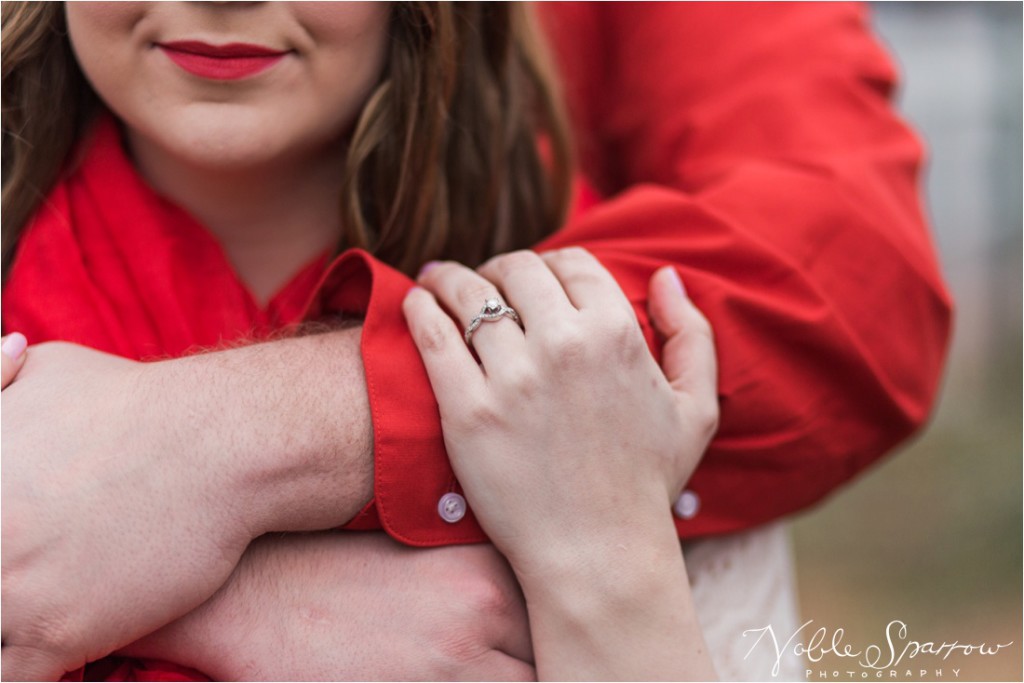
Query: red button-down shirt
[{"x": 754, "y": 146}]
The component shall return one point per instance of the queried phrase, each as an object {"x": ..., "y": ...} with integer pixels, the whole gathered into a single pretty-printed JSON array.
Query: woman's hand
[
  {"x": 567, "y": 436},
  {"x": 571, "y": 444},
  {"x": 112, "y": 527},
  {"x": 333, "y": 606},
  {"x": 12, "y": 357}
]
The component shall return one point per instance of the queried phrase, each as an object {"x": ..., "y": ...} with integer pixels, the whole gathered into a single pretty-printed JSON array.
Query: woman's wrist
[
  {"x": 624, "y": 612},
  {"x": 623, "y": 561},
  {"x": 620, "y": 527}
]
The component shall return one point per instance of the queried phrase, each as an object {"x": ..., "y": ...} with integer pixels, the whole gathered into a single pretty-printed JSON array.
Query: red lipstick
[{"x": 221, "y": 62}]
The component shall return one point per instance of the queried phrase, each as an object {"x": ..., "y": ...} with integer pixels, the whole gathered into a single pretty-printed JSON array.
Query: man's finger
[{"x": 12, "y": 357}]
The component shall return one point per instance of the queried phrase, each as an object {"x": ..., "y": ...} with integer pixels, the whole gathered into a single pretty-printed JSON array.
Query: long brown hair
[{"x": 461, "y": 152}]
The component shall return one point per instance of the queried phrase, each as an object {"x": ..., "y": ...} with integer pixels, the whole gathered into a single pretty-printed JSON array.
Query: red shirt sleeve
[{"x": 755, "y": 147}]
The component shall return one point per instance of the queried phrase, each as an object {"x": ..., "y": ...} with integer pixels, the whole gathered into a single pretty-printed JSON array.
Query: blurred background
[{"x": 933, "y": 536}]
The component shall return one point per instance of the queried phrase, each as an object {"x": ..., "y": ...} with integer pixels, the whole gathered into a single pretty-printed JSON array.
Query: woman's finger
[
  {"x": 530, "y": 287},
  {"x": 464, "y": 293},
  {"x": 688, "y": 356},
  {"x": 587, "y": 283},
  {"x": 450, "y": 366},
  {"x": 12, "y": 357}
]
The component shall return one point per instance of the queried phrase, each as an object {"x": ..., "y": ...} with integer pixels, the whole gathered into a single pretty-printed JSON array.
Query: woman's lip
[
  {"x": 197, "y": 47},
  {"x": 221, "y": 62}
]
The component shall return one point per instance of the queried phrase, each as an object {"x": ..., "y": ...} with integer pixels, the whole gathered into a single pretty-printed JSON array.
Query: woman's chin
[{"x": 222, "y": 138}]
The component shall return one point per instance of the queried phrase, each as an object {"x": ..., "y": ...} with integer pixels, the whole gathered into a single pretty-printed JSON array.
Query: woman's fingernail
[
  {"x": 676, "y": 279},
  {"x": 427, "y": 267},
  {"x": 14, "y": 345}
]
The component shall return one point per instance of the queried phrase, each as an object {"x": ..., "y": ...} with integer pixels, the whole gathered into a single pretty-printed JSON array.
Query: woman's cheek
[
  {"x": 103, "y": 36},
  {"x": 342, "y": 22},
  {"x": 351, "y": 46}
]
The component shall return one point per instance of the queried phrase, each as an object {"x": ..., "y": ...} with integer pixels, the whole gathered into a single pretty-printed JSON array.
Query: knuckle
[
  {"x": 567, "y": 344},
  {"x": 479, "y": 415},
  {"x": 439, "y": 271},
  {"x": 523, "y": 380},
  {"x": 432, "y": 337},
  {"x": 575, "y": 253},
  {"x": 620, "y": 338},
  {"x": 487, "y": 597},
  {"x": 482, "y": 598},
  {"x": 579, "y": 260},
  {"x": 507, "y": 264},
  {"x": 624, "y": 331}
]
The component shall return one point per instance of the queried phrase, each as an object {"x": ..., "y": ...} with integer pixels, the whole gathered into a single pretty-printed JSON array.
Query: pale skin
[
  {"x": 228, "y": 445},
  {"x": 175, "y": 523},
  {"x": 12, "y": 357},
  {"x": 227, "y": 637},
  {"x": 571, "y": 445},
  {"x": 360, "y": 585},
  {"x": 358, "y": 607}
]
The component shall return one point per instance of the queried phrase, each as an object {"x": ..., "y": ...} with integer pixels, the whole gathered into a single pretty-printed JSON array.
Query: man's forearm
[{"x": 291, "y": 418}]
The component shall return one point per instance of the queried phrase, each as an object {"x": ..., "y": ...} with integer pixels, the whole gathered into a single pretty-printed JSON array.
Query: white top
[{"x": 741, "y": 582}]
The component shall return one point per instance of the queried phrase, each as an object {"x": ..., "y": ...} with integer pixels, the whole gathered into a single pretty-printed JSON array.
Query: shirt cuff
[{"x": 411, "y": 470}]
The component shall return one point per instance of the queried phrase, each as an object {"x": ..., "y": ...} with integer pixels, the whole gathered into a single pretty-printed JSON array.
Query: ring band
[{"x": 493, "y": 310}]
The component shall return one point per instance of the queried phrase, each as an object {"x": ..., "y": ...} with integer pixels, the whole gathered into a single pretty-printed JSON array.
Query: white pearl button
[
  {"x": 451, "y": 507},
  {"x": 687, "y": 505}
]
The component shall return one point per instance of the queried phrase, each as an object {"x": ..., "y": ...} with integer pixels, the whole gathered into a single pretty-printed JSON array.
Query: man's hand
[
  {"x": 112, "y": 525},
  {"x": 131, "y": 490},
  {"x": 355, "y": 607}
]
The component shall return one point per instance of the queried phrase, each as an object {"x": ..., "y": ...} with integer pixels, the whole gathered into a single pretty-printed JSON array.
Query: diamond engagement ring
[{"x": 493, "y": 310}]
